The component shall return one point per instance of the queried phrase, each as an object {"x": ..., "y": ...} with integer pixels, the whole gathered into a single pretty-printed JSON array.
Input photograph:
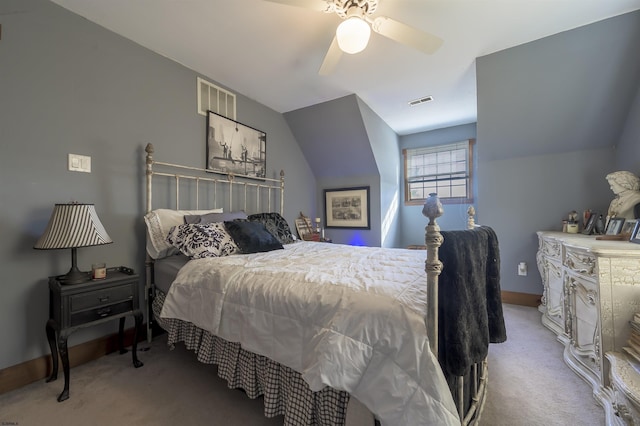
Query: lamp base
[{"x": 74, "y": 276}]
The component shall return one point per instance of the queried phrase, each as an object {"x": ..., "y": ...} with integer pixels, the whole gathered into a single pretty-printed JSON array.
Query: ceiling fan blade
[
  {"x": 404, "y": 34},
  {"x": 318, "y": 5},
  {"x": 331, "y": 58}
]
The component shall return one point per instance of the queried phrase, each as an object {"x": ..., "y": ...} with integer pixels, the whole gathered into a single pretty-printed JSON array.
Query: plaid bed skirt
[{"x": 285, "y": 392}]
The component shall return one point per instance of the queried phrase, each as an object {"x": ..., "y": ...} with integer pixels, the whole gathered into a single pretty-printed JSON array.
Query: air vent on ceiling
[{"x": 420, "y": 101}]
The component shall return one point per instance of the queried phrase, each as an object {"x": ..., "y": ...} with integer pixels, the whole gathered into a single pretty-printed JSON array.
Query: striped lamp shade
[{"x": 73, "y": 225}]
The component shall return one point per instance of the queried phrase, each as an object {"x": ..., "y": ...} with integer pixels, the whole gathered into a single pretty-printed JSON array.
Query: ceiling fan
[{"x": 352, "y": 35}]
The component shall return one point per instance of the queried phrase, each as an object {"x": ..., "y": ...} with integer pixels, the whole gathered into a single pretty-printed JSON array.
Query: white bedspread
[{"x": 343, "y": 316}]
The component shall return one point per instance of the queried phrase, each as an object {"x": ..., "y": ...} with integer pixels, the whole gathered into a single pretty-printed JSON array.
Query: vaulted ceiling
[{"x": 271, "y": 52}]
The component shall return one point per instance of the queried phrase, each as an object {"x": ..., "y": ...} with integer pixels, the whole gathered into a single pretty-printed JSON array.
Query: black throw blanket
[{"x": 470, "y": 306}]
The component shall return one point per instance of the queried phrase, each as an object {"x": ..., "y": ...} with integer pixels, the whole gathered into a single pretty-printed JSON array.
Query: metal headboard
[
  {"x": 228, "y": 180},
  {"x": 268, "y": 192}
]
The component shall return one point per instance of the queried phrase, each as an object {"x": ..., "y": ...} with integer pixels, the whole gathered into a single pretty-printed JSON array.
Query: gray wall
[
  {"x": 69, "y": 86},
  {"x": 348, "y": 145},
  {"x": 628, "y": 149},
  {"x": 455, "y": 215},
  {"x": 549, "y": 115},
  {"x": 384, "y": 144}
]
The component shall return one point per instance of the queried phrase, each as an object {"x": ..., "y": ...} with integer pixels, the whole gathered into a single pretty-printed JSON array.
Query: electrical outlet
[{"x": 522, "y": 269}]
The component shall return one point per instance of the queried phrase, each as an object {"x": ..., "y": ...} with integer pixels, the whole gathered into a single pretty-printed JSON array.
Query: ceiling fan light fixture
[{"x": 353, "y": 35}]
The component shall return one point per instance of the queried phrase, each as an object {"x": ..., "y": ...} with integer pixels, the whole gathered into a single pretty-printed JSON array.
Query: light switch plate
[{"x": 79, "y": 163}]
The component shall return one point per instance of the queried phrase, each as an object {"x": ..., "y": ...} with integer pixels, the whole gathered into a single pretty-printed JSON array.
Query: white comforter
[{"x": 347, "y": 317}]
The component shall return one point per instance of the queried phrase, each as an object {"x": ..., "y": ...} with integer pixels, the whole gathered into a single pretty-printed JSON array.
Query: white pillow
[
  {"x": 159, "y": 223},
  {"x": 199, "y": 240}
]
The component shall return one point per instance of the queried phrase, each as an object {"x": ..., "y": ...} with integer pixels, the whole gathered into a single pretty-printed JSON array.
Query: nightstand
[{"x": 75, "y": 306}]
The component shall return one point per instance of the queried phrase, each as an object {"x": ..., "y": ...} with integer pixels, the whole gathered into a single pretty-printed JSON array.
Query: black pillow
[
  {"x": 275, "y": 224},
  {"x": 252, "y": 237}
]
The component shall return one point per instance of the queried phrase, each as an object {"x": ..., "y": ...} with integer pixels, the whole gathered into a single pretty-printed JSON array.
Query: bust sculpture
[{"x": 626, "y": 186}]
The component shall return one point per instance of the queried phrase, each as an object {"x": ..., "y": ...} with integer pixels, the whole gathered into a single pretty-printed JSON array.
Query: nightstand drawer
[
  {"x": 108, "y": 296},
  {"x": 101, "y": 312}
]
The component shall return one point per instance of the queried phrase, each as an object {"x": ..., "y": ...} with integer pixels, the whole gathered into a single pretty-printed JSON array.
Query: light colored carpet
[{"x": 529, "y": 384}]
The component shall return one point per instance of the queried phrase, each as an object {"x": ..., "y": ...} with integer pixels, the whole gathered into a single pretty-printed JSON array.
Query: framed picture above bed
[
  {"x": 233, "y": 147},
  {"x": 347, "y": 208}
]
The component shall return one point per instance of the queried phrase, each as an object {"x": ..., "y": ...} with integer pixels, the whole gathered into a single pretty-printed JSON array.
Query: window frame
[{"x": 444, "y": 200}]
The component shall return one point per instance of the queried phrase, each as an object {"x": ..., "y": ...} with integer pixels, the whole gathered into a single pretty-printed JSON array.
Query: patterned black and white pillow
[
  {"x": 276, "y": 224},
  {"x": 202, "y": 240}
]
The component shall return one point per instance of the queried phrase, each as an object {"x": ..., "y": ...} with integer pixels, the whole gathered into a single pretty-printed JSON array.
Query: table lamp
[{"x": 71, "y": 226}]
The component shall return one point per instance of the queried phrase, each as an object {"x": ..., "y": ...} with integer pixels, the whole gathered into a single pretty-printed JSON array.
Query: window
[
  {"x": 216, "y": 99},
  {"x": 444, "y": 169}
]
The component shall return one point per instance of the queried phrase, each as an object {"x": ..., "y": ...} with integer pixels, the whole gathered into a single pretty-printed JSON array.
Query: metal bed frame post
[
  {"x": 148, "y": 262},
  {"x": 433, "y": 266},
  {"x": 433, "y": 239},
  {"x": 282, "y": 192}
]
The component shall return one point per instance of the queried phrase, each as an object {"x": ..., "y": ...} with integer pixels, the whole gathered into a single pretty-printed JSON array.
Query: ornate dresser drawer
[
  {"x": 549, "y": 260},
  {"x": 551, "y": 248},
  {"x": 583, "y": 321},
  {"x": 580, "y": 262}
]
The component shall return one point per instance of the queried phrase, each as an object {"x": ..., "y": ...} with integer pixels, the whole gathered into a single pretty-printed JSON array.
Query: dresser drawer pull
[
  {"x": 588, "y": 270},
  {"x": 103, "y": 299},
  {"x": 104, "y": 312}
]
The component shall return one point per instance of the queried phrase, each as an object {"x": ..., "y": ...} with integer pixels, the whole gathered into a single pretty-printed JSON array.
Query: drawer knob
[
  {"x": 103, "y": 299},
  {"x": 104, "y": 312}
]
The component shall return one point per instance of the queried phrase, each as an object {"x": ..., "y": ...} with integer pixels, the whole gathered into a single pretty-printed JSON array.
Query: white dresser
[{"x": 591, "y": 292}]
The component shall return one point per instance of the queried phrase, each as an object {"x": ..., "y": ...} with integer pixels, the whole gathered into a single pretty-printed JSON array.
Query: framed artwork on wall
[
  {"x": 347, "y": 208},
  {"x": 233, "y": 147}
]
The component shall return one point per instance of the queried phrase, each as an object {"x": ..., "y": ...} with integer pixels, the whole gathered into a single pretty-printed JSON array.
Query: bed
[{"x": 320, "y": 330}]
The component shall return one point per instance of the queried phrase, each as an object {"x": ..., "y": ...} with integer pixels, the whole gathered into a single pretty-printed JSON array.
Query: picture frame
[
  {"x": 589, "y": 227},
  {"x": 635, "y": 234},
  {"x": 347, "y": 208},
  {"x": 628, "y": 227},
  {"x": 614, "y": 226},
  {"x": 233, "y": 147}
]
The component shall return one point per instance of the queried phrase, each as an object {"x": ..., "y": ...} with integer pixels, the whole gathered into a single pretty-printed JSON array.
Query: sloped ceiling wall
[
  {"x": 333, "y": 138},
  {"x": 341, "y": 140},
  {"x": 550, "y": 113}
]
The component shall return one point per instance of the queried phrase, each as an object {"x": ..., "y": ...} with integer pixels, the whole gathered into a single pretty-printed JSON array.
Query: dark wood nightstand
[{"x": 76, "y": 306}]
